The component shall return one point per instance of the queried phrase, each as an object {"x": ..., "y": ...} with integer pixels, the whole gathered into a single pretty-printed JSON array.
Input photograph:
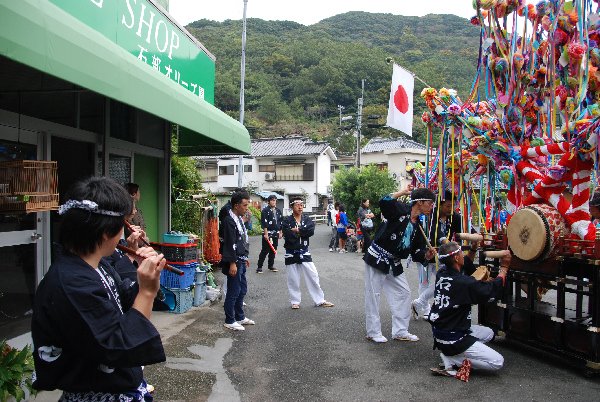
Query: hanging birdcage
[{"x": 28, "y": 186}]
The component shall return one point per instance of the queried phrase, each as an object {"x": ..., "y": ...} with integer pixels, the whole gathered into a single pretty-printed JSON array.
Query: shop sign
[{"x": 139, "y": 28}]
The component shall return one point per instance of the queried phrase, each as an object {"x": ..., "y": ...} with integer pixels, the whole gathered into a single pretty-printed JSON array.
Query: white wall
[
  {"x": 397, "y": 160},
  {"x": 322, "y": 180}
]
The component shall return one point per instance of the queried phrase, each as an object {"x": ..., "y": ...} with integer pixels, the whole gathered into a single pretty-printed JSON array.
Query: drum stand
[{"x": 565, "y": 321}]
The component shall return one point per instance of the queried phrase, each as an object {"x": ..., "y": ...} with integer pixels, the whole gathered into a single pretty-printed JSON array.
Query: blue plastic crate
[
  {"x": 201, "y": 291},
  {"x": 172, "y": 281},
  {"x": 184, "y": 298}
]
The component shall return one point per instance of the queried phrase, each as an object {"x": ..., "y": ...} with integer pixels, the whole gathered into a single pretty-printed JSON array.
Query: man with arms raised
[{"x": 397, "y": 238}]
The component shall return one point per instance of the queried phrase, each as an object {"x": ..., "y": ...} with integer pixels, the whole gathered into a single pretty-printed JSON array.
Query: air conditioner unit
[{"x": 269, "y": 176}]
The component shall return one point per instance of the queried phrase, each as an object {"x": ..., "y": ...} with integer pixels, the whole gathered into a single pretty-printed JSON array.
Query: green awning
[{"x": 40, "y": 35}]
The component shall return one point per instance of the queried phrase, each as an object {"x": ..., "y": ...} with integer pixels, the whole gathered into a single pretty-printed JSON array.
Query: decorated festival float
[{"x": 529, "y": 130}]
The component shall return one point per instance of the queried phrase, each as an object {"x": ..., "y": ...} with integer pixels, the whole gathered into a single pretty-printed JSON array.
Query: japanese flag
[{"x": 400, "y": 113}]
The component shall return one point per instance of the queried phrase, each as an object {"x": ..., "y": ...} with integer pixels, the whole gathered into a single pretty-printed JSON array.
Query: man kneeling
[{"x": 453, "y": 335}]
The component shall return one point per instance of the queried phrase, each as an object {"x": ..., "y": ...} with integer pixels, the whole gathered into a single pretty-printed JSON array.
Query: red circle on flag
[{"x": 401, "y": 99}]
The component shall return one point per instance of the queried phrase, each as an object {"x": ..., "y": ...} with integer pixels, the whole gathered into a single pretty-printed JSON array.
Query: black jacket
[
  {"x": 451, "y": 311},
  {"x": 453, "y": 225},
  {"x": 232, "y": 242},
  {"x": 296, "y": 244},
  {"x": 271, "y": 219},
  {"x": 85, "y": 333},
  {"x": 389, "y": 236}
]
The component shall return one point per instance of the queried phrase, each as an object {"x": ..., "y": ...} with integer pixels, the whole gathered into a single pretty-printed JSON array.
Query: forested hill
[{"x": 296, "y": 75}]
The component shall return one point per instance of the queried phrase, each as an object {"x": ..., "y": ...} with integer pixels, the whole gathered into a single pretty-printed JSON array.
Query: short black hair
[
  {"x": 595, "y": 200},
  {"x": 272, "y": 197},
  {"x": 132, "y": 188},
  {"x": 80, "y": 230},
  {"x": 420, "y": 194},
  {"x": 342, "y": 208},
  {"x": 238, "y": 196},
  {"x": 448, "y": 248},
  {"x": 337, "y": 204},
  {"x": 297, "y": 198},
  {"x": 447, "y": 197}
]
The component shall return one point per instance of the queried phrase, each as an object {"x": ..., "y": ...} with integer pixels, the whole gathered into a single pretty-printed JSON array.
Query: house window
[
  {"x": 332, "y": 168},
  {"x": 295, "y": 172},
  {"x": 266, "y": 168},
  {"x": 226, "y": 170},
  {"x": 247, "y": 168},
  {"x": 209, "y": 173},
  {"x": 308, "y": 171}
]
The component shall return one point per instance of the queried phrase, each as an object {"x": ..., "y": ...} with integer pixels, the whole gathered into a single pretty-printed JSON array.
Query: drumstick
[
  {"x": 271, "y": 244},
  {"x": 133, "y": 230},
  {"x": 469, "y": 236},
  {"x": 497, "y": 254},
  {"x": 425, "y": 236},
  {"x": 168, "y": 267}
]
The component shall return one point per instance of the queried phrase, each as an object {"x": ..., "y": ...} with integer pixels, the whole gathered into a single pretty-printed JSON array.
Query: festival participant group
[{"x": 91, "y": 329}]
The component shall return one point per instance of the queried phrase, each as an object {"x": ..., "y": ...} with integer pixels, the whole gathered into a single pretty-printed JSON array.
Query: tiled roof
[
  {"x": 287, "y": 146},
  {"x": 381, "y": 144},
  {"x": 280, "y": 146}
]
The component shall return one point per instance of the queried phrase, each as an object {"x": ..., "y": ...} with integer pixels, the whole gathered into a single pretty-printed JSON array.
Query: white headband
[
  {"x": 441, "y": 257},
  {"x": 295, "y": 202},
  {"x": 422, "y": 199},
  {"x": 86, "y": 205}
]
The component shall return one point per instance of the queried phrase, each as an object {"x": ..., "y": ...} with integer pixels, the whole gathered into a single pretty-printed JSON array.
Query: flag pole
[{"x": 391, "y": 60}]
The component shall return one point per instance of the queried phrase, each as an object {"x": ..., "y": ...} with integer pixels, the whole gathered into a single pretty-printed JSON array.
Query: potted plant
[{"x": 16, "y": 370}]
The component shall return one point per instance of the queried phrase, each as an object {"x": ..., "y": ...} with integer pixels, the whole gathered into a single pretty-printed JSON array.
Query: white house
[
  {"x": 395, "y": 154},
  {"x": 289, "y": 166}
]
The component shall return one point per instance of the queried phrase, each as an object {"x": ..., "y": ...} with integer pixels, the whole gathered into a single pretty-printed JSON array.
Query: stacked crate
[{"x": 184, "y": 257}]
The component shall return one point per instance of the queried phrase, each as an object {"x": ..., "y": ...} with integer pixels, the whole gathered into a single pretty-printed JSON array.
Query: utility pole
[
  {"x": 359, "y": 124},
  {"x": 241, "y": 161},
  {"x": 340, "y": 108}
]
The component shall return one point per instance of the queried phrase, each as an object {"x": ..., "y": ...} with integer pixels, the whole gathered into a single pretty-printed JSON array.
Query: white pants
[
  {"x": 397, "y": 293},
  {"x": 482, "y": 357},
  {"x": 427, "y": 275},
  {"x": 311, "y": 276}
]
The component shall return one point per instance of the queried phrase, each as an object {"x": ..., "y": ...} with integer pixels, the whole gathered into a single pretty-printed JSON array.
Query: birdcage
[{"x": 28, "y": 186}]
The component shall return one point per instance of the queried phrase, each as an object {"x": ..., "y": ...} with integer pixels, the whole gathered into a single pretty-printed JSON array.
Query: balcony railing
[
  {"x": 209, "y": 179},
  {"x": 279, "y": 177}
]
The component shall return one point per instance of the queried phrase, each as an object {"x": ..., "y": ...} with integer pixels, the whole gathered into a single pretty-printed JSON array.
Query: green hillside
[{"x": 297, "y": 75}]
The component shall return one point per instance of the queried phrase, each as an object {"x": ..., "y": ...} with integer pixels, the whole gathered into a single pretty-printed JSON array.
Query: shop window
[
  {"x": 91, "y": 106},
  {"x": 119, "y": 168},
  {"x": 266, "y": 168},
  {"x": 122, "y": 121},
  {"x": 151, "y": 130},
  {"x": 226, "y": 170}
]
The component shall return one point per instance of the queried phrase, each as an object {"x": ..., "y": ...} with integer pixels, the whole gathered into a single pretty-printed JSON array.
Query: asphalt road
[{"x": 321, "y": 354}]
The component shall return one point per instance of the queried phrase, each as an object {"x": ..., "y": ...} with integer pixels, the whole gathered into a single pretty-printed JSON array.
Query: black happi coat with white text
[
  {"x": 450, "y": 314},
  {"x": 270, "y": 219},
  {"x": 232, "y": 242},
  {"x": 389, "y": 236},
  {"x": 86, "y": 336},
  {"x": 296, "y": 244}
]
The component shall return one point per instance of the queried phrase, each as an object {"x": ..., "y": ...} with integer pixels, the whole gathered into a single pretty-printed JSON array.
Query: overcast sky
[{"x": 309, "y": 12}]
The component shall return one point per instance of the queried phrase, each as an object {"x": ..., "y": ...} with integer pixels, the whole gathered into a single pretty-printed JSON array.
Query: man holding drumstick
[
  {"x": 444, "y": 224},
  {"x": 461, "y": 344},
  {"x": 398, "y": 237}
]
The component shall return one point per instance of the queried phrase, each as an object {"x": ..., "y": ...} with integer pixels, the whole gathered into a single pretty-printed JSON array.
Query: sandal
[
  {"x": 326, "y": 304},
  {"x": 441, "y": 371},
  {"x": 295, "y": 306}
]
